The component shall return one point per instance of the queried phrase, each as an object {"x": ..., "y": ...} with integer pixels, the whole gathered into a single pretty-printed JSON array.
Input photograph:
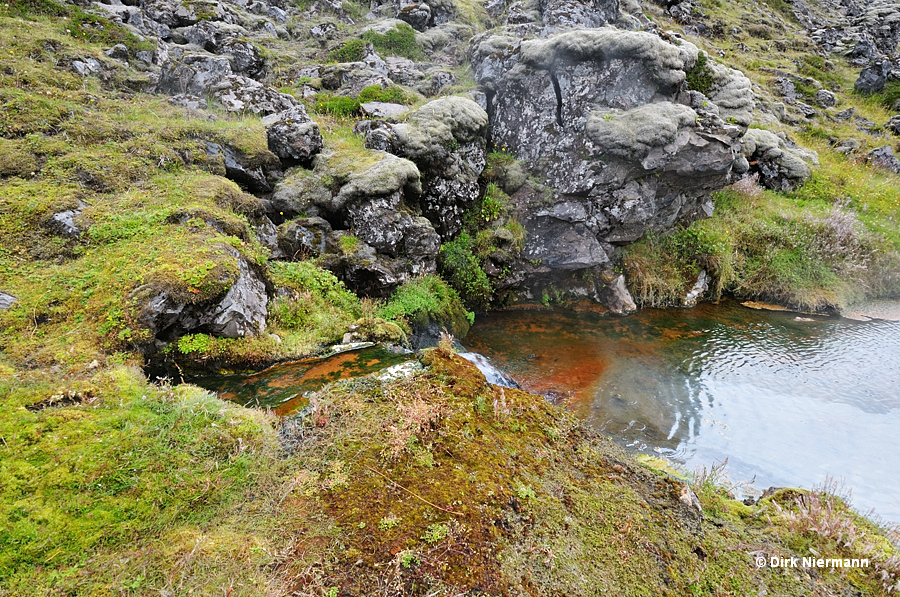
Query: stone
[
  {"x": 825, "y": 98},
  {"x": 873, "y": 77},
  {"x": 63, "y": 223},
  {"x": 240, "y": 312},
  {"x": 190, "y": 102},
  {"x": 884, "y": 158},
  {"x": 383, "y": 109},
  {"x": 446, "y": 139},
  {"x": 293, "y": 136},
  {"x": 847, "y": 146},
  {"x": 305, "y": 238},
  {"x": 118, "y": 52},
  {"x": 236, "y": 168},
  {"x": 245, "y": 58},
  {"x": 615, "y": 294},
  {"x": 601, "y": 119},
  {"x": 324, "y": 31},
  {"x": 780, "y": 166},
  {"x": 6, "y": 300},
  {"x": 699, "y": 289},
  {"x": 418, "y": 15},
  {"x": 86, "y": 66},
  {"x": 893, "y": 124},
  {"x": 240, "y": 93}
]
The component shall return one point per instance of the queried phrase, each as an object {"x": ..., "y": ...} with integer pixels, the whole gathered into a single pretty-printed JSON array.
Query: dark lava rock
[{"x": 873, "y": 77}]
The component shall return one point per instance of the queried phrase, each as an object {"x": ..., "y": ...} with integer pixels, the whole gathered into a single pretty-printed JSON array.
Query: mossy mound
[{"x": 442, "y": 484}]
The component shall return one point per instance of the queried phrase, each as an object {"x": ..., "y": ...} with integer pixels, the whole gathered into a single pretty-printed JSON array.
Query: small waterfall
[{"x": 493, "y": 375}]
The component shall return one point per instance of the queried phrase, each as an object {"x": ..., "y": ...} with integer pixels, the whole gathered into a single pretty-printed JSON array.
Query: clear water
[
  {"x": 286, "y": 387},
  {"x": 786, "y": 401}
]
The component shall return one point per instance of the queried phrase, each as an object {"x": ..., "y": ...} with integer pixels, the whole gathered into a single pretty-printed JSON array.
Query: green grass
[
  {"x": 425, "y": 300},
  {"x": 135, "y": 487},
  {"x": 799, "y": 249},
  {"x": 399, "y": 41}
]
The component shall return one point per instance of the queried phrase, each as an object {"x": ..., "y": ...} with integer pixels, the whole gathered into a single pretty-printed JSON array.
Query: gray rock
[
  {"x": 324, "y": 31},
  {"x": 616, "y": 297},
  {"x": 86, "y": 66},
  {"x": 304, "y": 238},
  {"x": 825, "y": 98},
  {"x": 293, "y": 136},
  {"x": 6, "y": 300},
  {"x": 883, "y": 157},
  {"x": 847, "y": 146},
  {"x": 236, "y": 168},
  {"x": 243, "y": 311},
  {"x": 240, "y": 312},
  {"x": 561, "y": 244},
  {"x": 780, "y": 166},
  {"x": 383, "y": 109},
  {"x": 191, "y": 102},
  {"x": 893, "y": 124},
  {"x": 241, "y": 93},
  {"x": 418, "y": 15},
  {"x": 118, "y": 52},
  {"x": 699, "y": 289},
  {"x": 873, "y": 78},
  {"x": 63, "y": 223},
  {"x": 446, "y": 139}
]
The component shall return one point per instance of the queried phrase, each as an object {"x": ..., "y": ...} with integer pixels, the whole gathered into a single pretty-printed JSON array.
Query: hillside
[{"x": 217, "y": 184}]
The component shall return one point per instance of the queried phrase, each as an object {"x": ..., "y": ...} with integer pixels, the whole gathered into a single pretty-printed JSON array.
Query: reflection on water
[
  {"x": 285, "y": 387},
  {"x": 786, "y": 399}
]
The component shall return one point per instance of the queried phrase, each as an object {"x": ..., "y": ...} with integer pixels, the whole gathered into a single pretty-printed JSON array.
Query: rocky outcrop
[
  {"x": 446, "y": 139},
  {"x": 873, "y": 78},
  {"x": 781, "y": 165},
  {"x": 365, "y": 227},
  {"x": 240, "y": 313},
  {"x": 602, "y": 118},
  {"x": 293, "y": 136},
  {"x": 884, "y": 158}
]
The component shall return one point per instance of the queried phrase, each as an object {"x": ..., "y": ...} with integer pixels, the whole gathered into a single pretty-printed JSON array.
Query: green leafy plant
[{"x": 700, "y": 77}]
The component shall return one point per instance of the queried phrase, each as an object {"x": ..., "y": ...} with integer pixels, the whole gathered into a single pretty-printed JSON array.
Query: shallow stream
[{"x": 787, "y": 399}]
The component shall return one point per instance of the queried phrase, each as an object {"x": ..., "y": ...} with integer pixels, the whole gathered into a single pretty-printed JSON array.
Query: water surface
[{"x": 787, "y": 399}]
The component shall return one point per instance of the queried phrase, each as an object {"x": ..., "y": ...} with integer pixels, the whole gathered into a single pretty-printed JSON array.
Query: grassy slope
[
  {"x": 829, "y": 244},
  {"x": 132, "y": 489}
]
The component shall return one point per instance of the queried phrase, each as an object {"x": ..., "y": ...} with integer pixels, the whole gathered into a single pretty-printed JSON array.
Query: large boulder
[
  {"x": 364, "y": 225},
  {"x": 240, "y": 312},
  {"x": 293, "y": 136},
  {"x": 446, "y": 139},
  {"x": 781, "y": 165},
  {"x": 873, "y": 77},
  {"x": 602, "y": 118}
]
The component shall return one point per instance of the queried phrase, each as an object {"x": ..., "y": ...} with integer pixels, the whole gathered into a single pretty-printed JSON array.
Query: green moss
[
  {"x": 464, "y": 272},
  {"x": 428, "y": 299},
  {"x": 700, "y": 77},
  {"x": 391, "y": 94},
  {"x": 400, "y": 41},
  {"x": 153, "y": 472}
]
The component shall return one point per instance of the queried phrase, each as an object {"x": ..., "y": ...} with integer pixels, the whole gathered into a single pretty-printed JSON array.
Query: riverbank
[{"x": 435, "y": 482}]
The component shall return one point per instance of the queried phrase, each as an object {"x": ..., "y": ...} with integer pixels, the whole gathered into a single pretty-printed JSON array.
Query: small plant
[
  {"x": 700, "y": 77},
  {"x": 349, "y": 243},
  {"x": 435, "y": 533},
  {"x": 408, "y": 559},
  {"x": 389, "y": 522},
  {"x": 524, "y": 492}
]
